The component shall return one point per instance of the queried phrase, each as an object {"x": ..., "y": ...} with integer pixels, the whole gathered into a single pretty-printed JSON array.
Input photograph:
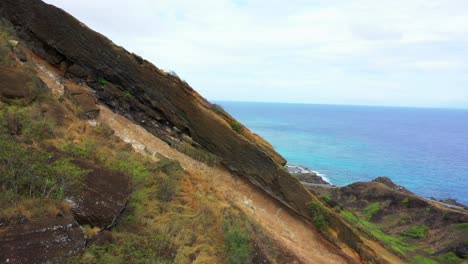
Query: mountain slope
[{"x": 171, "y": 110}]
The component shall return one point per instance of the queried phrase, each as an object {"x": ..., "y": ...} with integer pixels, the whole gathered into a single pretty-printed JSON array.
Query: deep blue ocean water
[{"x": 423, "y": 149}]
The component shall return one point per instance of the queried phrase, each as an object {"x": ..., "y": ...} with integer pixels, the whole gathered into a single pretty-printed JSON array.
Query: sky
[{"x": 363, "y": 52}]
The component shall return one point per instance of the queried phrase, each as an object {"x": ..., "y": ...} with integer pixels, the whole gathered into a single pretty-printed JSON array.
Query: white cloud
[{"x": 333, "y": 51}]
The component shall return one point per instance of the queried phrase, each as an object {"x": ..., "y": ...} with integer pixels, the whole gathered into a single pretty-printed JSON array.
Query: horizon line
[{"x": 339, "y": 104}]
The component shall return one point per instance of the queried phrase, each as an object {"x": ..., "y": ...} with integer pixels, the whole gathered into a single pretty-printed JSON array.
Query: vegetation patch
[
  {"x": 395, "y": 243},
  {"x": 371, "y": 210},
  {"x": 449, "y": 258},
  {"x": 237, "y": 243},
  {"x": 319, "y": 214},
  {"x": 326, "y": 199},
  {"x": 423, "y": 260},
  {"x": 236, "y": 126},
  {"x": 405, "y": 201},
  {"x": 415, "y": 231},
  {"x": 103, "y": 81}
]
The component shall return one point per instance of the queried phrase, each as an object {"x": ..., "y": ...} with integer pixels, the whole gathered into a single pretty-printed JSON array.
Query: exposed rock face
[
  {"x": 103, "y": 198},
  {"x": 83, "y": 98},
  {"x": 389, "y": 183},
  {"x": 50, "y": 240},
  {"x": 16, "y": 85},
  {"x": 158, "y": 100}
]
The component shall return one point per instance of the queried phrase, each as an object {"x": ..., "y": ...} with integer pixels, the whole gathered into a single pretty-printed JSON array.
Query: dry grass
[{"x": 35, "y": 208}]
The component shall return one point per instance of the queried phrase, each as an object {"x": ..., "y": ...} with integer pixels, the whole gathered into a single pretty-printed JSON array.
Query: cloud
[{"x": 334, "y": 51}]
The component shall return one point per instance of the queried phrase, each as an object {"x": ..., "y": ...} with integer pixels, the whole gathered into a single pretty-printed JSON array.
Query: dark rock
[
  {"x": 462, "y": 250},
  {"x": 103, "y": 198},
  {"x": 312, "y": 178},
  {"x": 50, "y": 240},
  {"x": 451, "y": 202},
  {"x": 389, "y": 183},
  {"x": 16, "y": 86},
  {"x": 78, "y": 71},
  {"x": 83, "y": 98}
]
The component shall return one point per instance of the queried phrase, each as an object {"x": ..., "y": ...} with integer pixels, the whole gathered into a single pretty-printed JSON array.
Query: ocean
[{"x": 422, "y": 149}]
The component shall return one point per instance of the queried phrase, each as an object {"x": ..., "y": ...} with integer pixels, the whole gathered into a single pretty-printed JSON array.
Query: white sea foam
[{"x": 323, "y": 176}]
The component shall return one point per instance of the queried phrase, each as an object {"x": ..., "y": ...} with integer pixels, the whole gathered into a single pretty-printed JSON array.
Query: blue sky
[{"x": 369, "y": 52}]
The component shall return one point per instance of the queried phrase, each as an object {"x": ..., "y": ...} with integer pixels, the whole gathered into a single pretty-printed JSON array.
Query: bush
[
  {"x": 103, "y": 81},
  {"x": 326, "y": 199},
  {"x": 319, "y": 214},
  {"x": 236, "y": 126},
  {"x": 85, "y": 149},
  {"x": 218, "y": 109},
  {"x": 237, "y": 243},
  {"x": 132, "y": 248},
  {"x": 371, "y": 210},
  {"x": 415, "y": 232},
  {"x": 29, "y": 172},
  {"x": 172, "y": 174},
  {"x": 5, "y": 48}
]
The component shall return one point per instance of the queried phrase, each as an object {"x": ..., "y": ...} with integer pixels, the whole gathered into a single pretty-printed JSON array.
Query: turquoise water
[{"x": 425, "y": 150}]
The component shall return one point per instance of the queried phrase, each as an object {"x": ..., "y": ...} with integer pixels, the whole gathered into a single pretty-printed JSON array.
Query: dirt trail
[{"x": 284, "y": 226}]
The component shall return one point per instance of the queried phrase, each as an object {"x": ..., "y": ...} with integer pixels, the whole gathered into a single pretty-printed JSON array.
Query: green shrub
[
  {"x": 236, "y": 126},
  {"x": 449, "y": 258},
  {"x": 326, "y": 199},
  {"x": 422, "y": 260},
  {"x": 371, "y": 210},
  {"x": 103, "y": 81},
  {"x": 29, "y": 172},
  {"x": 405, "y": 201},
  {"x": 218, "y": 109},
  {"x": 237, "y": 243},
  {"x": 132, "y": 248},
  {"x": 415, "y": 232},
  {"x": 5, "y": 48},
  {"x": 169, "y": 179},
  {"x": 85, "y": 149},
  {"x": 319, "y": 214}
]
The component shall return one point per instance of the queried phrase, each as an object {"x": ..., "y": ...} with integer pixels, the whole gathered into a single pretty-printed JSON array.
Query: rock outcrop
[
  {"x": 47, "y": 240},
  {"x": 16, "y": 85},
  {"x": 137, "y": 89},
  {"x": 104, "y": 196},
  {"x": 83, "y": 98}
]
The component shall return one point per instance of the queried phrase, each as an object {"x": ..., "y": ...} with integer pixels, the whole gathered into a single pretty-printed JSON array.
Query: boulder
[
  {"x": 102, "y": 199},
  {"x": 51, "y": 240},
  {"x": 16, "y": 86},
  {"x": 83, "y": 97}
]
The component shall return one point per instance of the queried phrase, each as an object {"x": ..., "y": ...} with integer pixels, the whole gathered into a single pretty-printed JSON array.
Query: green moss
[
  {"x": 415, "y": 232},
  {"x": 371, "y": 210},
  {"x": 319, "y": 214}
]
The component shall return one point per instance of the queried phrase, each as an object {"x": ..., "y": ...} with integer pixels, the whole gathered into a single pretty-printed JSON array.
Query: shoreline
[
  {"x": 299, "y": 169},
  {"x": 311, "y": 180}
]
